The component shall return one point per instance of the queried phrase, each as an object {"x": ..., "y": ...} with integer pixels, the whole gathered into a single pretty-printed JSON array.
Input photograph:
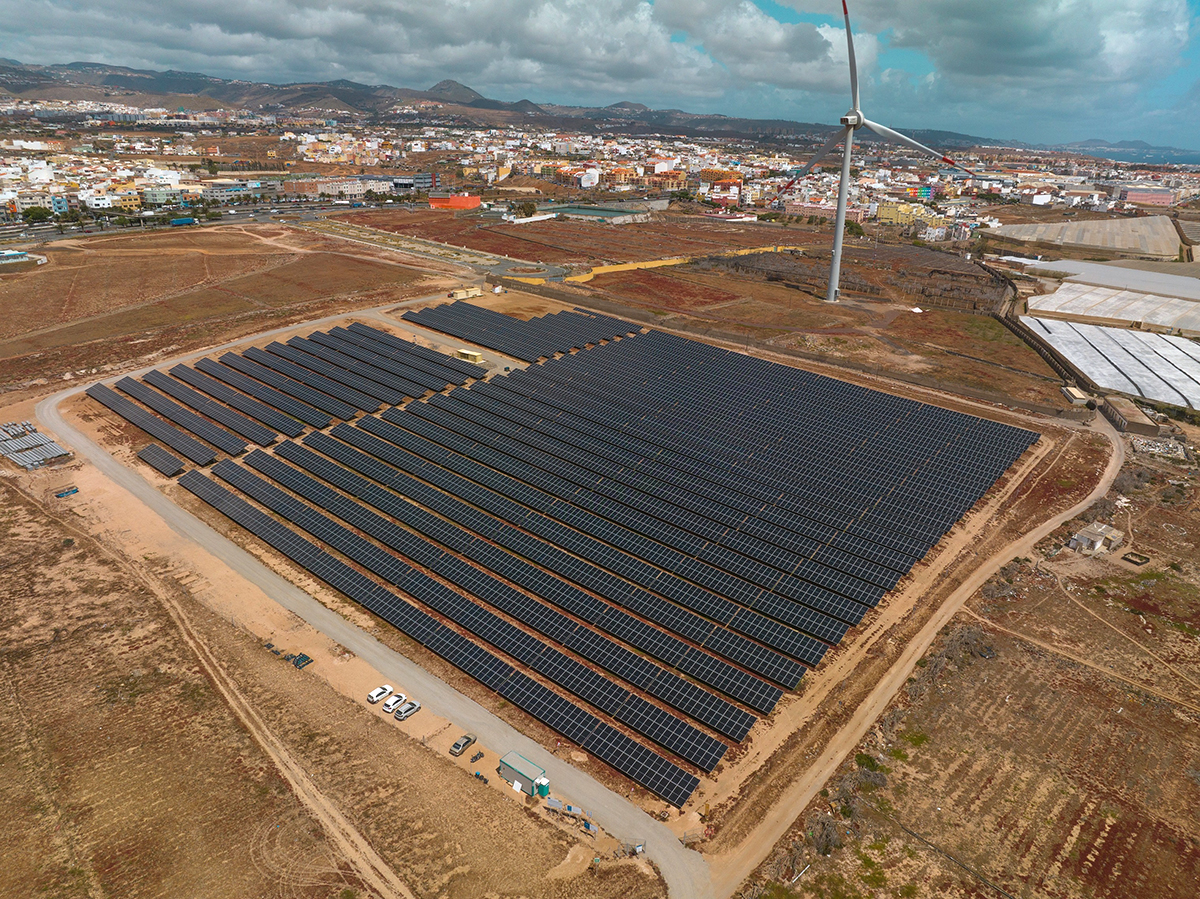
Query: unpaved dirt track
[
  {"x": 731, "y": 868},
  {"x": 367, "y": 863},
  {"x": 1123, "y": 635},
  {"x": 684, "y": 871},
  {"x": 1079, "y": 660}
]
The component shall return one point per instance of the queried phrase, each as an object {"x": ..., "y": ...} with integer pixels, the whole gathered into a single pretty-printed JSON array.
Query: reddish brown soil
[
  {"x": 651, "y": 287},
  {"x": 114, "y": 299},
  {"x": 583, "y": 242}
]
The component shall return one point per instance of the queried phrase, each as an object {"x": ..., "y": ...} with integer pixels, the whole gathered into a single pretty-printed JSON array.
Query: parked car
[
  {"x": 462, "y": 744},
  {"x": 394, "y": 703},
  {"x": 379, "y": 693},
  {"x": 407, "y": 710}
]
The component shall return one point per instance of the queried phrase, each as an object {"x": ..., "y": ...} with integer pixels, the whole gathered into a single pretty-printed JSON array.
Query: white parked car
[
  {"x": 407, "y": 710},
  {"x": 379, "y": 693},
  {"x": 392, "y": 704}
]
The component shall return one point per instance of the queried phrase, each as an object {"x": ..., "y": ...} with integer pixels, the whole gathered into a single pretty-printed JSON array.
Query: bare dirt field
[
  {"x": 1047, "y": 745},
  {"x": 124, "y": 771},
  {"x": 108, "y": 300},
  {"x": 150, "y": 745},
  {"x": 589, "y": 243},
  {"x": 955, "y": 347}
]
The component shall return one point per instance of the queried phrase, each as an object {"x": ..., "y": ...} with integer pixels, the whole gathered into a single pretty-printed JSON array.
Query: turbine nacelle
[{"x": 852, "y": 119}]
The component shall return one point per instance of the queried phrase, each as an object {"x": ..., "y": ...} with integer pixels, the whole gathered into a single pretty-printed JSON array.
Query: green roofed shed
[{"x": 520, "y": 772}]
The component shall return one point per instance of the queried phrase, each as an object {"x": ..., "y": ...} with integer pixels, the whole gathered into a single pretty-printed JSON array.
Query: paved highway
[{"x": 686, "y": 873}]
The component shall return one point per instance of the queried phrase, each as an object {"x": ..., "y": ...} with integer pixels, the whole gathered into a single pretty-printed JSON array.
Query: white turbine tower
[{"x": 851, "y": 122}]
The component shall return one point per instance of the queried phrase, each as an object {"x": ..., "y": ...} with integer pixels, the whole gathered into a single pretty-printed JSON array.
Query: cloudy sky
[{"x": 1037, "y": 70}]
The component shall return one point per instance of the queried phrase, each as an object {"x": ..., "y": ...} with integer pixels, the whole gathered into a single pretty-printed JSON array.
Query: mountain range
[{"x": 461, "y": 104}]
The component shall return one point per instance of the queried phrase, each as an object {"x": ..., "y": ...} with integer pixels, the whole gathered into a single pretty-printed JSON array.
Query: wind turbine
[{"x": 851, "y": 122}]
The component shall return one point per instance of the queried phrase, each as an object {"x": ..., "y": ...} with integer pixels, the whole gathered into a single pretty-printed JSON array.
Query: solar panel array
[
  {"x": 325, "y": 393},
  {"x": 529, "y": 341},
  {"x": 239, "y": 424},
  {"x": 262, "y": 393},
  {"x": 281, "y": 400},
  {"x": 189, "y": 421},
  {"x": 644, "y": 766},
  {"x": 722, "y": 715},
  {"x": 592, "y": 565},
  {"x": 686, "y": 740},
  {"x": 410, "y": 350},
  {"x": 259, "y": 411},
  {"x": 668, "y": 532},
  {"x": 160, "y": 460},
  {"x": 188, "y": 447}
]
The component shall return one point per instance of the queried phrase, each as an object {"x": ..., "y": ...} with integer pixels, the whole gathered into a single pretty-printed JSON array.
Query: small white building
[
  {"x": 1096, "y": 538},
  {"x": 1075, "y": 396}
]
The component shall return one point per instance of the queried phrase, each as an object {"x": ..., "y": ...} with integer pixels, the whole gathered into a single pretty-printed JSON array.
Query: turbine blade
[
  {"x": 834, "y": 139},
  {"x": 897, "y": 137},
  {"x": 853, "y": 64}
]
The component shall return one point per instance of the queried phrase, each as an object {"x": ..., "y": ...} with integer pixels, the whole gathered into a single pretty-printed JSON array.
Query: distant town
[{"x": 66, "y": 163}]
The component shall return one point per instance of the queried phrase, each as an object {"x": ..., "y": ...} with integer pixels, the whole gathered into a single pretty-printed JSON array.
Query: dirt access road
[
  {"x": 731, "y": 868},
  {"x": 684, "y": 871},
  {"x": 367, "y": 863}
]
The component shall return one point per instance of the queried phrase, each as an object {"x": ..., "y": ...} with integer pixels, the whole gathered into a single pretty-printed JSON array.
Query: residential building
[
  {"x": 161, "y": 196},
  {"x": 1145, "y": 195}
]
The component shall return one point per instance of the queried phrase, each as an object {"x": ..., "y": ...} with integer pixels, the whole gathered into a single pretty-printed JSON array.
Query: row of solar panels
[
  {"x": 526, "y": 340},
  {"x": 625, "y": 502},
  {"x": 511, "y": 478},
  {"x": 875, "y": 452},
  {"x": 599, "y": 431},
  {"x": 641, "y": 764},
  {"x": 720, "y": 516},
  {"x": 532, "y": 559},
  {"x": 660, "y": 725},
  {"x": 307, "y": 381},
  {"x": 721, "y": 715},
  {"x": 692, "y": 612}
]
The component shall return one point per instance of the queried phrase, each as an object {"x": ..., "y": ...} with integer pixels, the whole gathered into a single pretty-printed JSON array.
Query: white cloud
[
  {"x": 1072, "y": 46},
  {"x": 1030, "y": 62}
]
